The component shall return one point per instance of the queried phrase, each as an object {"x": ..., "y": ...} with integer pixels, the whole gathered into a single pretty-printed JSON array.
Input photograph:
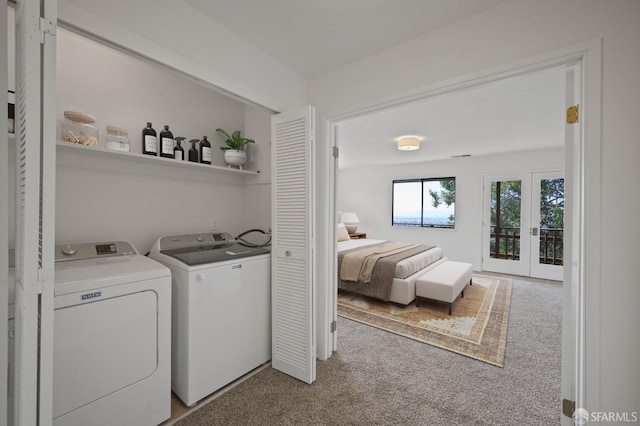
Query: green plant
[{"x": 234, "y": 141}]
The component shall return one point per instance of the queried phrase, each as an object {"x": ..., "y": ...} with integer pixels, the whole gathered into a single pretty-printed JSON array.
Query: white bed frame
[{"x": 403, "y": 290}]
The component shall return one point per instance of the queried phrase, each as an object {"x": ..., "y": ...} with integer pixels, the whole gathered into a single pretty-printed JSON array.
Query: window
[{"x": 424, "y": 202}]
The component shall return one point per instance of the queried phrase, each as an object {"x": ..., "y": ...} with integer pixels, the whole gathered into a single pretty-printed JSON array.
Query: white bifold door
[
  {"x": 4, "y": 223},
  {"x": 35, "y": 128},
  {"x": 293, "y": 224}
]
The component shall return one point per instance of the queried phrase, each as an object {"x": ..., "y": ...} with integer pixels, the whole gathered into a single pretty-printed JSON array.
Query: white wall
[
  {"x": 175, "y": 34},
  {"x": 101, "y": 199},
  {"x": 367, "y": 191},
  {"x": 514, "y": 31},
  {"x": 116, "y": 202},
  {"x": 257, "y": 190},
  {"x": 120, "y": 90}
]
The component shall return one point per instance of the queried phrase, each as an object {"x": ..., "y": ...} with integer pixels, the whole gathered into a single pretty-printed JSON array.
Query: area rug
[{"x": 477, "y": 327}]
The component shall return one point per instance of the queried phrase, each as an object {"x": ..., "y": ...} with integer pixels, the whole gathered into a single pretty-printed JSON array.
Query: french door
[{"x": 524, "y": 224}]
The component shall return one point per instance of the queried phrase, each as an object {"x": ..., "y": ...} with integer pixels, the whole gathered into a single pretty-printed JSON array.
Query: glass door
[
  {"x": 547, "y": 225},
  {"x": 523, "y": 227},
  {"x": 506, "y": 239}
]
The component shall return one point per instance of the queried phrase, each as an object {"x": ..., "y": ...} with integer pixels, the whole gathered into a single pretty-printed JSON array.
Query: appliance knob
[
  {"x": 69, "y": 250},
  {"x": 200, "y": 277}
]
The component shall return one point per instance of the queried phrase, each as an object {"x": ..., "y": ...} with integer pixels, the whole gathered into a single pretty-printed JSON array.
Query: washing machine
[
  {"x": 112, "y": 336},
  {"x": 221, "y": 310}
]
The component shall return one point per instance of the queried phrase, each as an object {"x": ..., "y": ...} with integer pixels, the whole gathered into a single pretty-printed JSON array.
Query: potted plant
[{"x": 234, "y": 152}]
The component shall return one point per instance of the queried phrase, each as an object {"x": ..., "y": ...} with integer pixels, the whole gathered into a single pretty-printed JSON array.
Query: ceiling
[
  {"x": 515, "y": 114},
  {"x": 314, "y": 36}
]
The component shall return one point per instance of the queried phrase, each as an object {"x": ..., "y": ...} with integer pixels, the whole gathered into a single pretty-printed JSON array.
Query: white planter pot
[{"x": 235, "y": 158}]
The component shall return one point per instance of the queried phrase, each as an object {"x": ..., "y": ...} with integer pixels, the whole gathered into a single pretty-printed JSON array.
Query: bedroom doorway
[
  {"x": 523, "y": 226},
  {"x": 583, "y": 177}
]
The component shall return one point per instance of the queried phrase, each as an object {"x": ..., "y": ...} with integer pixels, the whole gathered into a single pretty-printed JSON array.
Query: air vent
[{"x": 461, "y": 156}]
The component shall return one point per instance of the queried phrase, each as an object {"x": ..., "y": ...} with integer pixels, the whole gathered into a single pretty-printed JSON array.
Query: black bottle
[
  {"x": 166, "y": 143},
  {"x": 205, "y": 151},
  {"x": 193, "y": 151},
  {"x": 149, "y": 141},
  {"x": 178, "y": 151}
]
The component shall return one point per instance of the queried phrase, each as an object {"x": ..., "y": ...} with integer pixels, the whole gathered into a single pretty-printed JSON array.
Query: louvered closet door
[
  {"x": 35, "y": 199},
  {"x": 4, "y": 220},
  {"x": 293, "y": 331}
]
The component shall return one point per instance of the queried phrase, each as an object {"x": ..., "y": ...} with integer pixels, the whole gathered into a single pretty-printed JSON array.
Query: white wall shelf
[{"x": 148, "y": 159}]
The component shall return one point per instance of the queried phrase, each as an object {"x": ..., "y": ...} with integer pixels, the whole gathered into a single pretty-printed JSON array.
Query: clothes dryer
[{"x": 112, "y": 315}]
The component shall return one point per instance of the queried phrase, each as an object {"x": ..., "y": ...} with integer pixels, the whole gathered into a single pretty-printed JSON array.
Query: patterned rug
[{"x": 477, "y": 327}]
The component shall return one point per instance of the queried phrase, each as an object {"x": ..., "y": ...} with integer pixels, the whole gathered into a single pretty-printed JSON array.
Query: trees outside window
[{"x": 424, "y": 202}]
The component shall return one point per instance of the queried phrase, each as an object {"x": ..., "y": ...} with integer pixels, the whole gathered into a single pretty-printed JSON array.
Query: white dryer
[
  {"x": 112, "y": 333},
  {"x": 221, "y": 310}
]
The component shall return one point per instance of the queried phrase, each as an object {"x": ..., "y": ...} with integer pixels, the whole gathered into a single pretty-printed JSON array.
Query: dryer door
[{"x": 101, "y": 347}]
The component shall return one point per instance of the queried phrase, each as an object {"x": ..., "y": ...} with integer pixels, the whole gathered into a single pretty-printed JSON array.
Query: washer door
[{"x": 102, "y": 347}]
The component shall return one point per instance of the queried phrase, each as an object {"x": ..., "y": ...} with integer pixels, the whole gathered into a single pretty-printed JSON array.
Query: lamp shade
[
  {"x": 350, "y": 220},
  {"x": 408, "y": 144}
]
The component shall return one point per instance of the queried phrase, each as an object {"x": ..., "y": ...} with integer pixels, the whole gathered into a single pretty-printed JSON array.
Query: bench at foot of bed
[{"x": 444, "y": 283}]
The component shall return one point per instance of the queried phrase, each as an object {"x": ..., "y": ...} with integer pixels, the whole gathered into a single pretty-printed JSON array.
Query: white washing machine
[
  {"x": 221, "y": 310},
  {"x": 112, "y": 333}
]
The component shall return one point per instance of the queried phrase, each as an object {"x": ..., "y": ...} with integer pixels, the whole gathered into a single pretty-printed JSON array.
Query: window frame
[{"x": 422, "y": 200}]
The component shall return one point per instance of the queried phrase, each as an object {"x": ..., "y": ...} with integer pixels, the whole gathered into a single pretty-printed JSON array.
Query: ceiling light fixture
[{"x": 408, "y": 143}]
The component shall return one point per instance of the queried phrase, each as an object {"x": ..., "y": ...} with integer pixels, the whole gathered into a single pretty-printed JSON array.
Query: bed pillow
[{"x": 343, "y": 235}]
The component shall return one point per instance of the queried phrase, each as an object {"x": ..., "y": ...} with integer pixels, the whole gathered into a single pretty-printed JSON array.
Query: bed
[{"x": 393, "y": 281}]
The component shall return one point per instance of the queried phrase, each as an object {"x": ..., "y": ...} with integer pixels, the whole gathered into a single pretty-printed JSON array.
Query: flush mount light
[{"x": 408, "y": 143}]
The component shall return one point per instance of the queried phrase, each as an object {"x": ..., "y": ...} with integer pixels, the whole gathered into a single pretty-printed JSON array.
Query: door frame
[{"x": 583, "y": 276}]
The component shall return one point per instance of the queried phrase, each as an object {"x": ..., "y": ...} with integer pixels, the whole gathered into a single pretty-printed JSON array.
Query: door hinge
[
  {"x": 47, "y": 26},
  {"x": 336, "y": 152},
  {"x": 334, "y": 326},
  {"x": 568, "y": 408},
  {"x": 573, "y": 113}
]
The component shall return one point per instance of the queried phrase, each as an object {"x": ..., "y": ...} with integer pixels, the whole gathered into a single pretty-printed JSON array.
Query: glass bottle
[
  {"x": 178, "y": 151},
  {"x": 166, "y": 143},
  {"x": 193, "y": 151},
  {"x": 205, "y": 151},
  {"x": 149, "y": 140}
]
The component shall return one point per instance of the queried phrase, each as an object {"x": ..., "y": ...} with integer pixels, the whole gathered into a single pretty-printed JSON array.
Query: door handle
[{"x": 534, "y": 231}]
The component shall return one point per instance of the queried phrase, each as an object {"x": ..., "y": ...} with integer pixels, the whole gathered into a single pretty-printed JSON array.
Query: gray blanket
[{"x": 383, "y": 271}]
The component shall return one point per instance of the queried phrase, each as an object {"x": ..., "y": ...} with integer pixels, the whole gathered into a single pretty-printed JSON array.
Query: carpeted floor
[
  {"x": 380, "y": 378},
  {"x": 477, "y": 326}
]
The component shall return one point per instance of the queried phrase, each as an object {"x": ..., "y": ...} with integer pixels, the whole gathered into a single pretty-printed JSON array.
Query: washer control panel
[
  {"x": 195, "y": 240},
  {"x": 81, "y": 251}
]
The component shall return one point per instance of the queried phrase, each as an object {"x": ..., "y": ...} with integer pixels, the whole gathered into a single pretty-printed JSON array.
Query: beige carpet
[{"x": 477, "y": 327}]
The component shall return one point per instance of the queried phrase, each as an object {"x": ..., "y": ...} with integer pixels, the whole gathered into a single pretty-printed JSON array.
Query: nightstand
[{"x": 358, "y": 235}]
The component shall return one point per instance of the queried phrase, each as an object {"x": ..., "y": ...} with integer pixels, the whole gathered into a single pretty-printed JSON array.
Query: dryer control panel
[{"x": 82, "y": 251}]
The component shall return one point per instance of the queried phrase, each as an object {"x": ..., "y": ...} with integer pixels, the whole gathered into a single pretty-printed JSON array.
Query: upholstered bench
[{"x": 444, "y": 283}]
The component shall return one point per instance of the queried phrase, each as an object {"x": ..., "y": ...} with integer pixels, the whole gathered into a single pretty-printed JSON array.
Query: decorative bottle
[
  {"x": 178, "y": 151},
  {"x": 205, "y": 151},
  {"x": 193, "y": 151},
  {"x": 166, "y": 143},
  {"x": 149, "y": 140}
]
